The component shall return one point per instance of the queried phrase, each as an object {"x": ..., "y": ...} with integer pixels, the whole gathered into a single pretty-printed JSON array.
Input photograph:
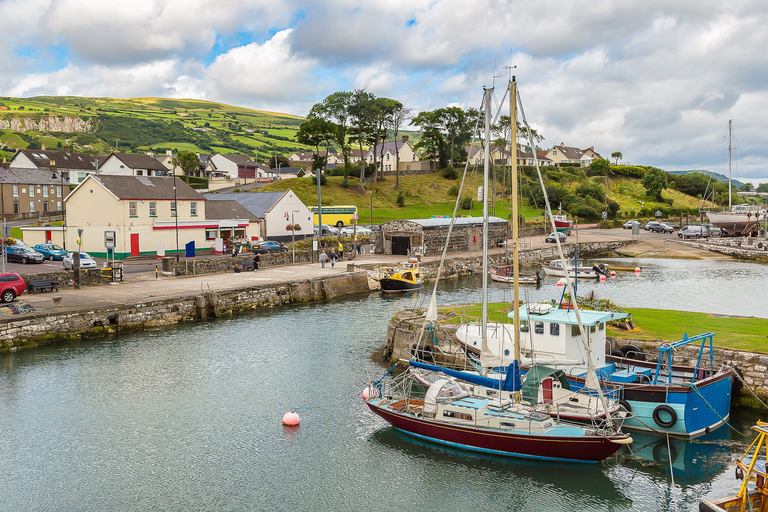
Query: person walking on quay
[
  {"x": 234, "y": 250},
  {"x": 256, "y": 260},
  {"x": 341, "y": 250},
  {"x": 333, "y": 257},
  {"x": 357, "y": 246},
  {"x": 323, "y": 258}
]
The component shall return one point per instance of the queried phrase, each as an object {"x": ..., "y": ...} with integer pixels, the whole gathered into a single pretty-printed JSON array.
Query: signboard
[
  {"x": 605, "y": 215},
  {"x": 109, "y": 239},
  {"x": 189, "y": 249}
]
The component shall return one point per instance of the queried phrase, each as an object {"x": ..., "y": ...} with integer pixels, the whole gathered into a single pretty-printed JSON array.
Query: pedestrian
[
  {"x": 234, "y": 250},
  {"x": 256, "y": 260},
  {"x": 341, "y": 250},
  {"x": 357, "y": 245},
  {"x": 323, "y": 258},
  {"x": 333, "y": 257}
]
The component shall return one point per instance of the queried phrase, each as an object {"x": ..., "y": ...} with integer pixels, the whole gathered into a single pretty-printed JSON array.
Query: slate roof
[
  {"x": 383, "y": 147},
  {"x": 220, "y": 209},
  {"x": 258, "y": 203},
  {"x": 140, "y": 161},
  {"x": 569, "y": 152},
  {"x": 146, "y": 187},
  {"x": 28, "y": 177},
  {"x": 63, "y": 159},
  {"x": 238, "y": 159}
]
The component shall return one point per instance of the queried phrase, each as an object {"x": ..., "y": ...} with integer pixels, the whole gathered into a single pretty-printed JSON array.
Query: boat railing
[{"x": 665, "y": 355}]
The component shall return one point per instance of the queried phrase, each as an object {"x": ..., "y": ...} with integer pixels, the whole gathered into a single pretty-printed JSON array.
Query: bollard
[
  {"x": 56, "y": 301},
  {"x": 155, "y": 271}
]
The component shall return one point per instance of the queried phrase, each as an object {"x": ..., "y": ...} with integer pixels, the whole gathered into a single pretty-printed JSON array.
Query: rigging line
[{"x": 447, "y": 237}]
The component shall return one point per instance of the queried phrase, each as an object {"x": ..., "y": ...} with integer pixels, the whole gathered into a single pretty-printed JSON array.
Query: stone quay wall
[
  {"x": 744, "y": 248},
  {"x": 30, "y": 330}
]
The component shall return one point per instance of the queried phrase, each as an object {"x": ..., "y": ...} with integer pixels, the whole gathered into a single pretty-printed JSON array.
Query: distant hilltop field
[{"x": 99, "y": 125}]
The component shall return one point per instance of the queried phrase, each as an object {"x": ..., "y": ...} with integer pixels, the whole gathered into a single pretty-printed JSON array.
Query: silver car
[{"x": 85, "y": 261}]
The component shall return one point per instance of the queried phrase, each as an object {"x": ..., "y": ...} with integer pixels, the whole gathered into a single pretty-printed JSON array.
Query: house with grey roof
[
  {"x": 562, "y": 154},
  {"x": 386, "y": 154},
  {"x": 275, "y": 210},
  {"x": 130, "y": 164},
  {"x": 75, "y": 167}
]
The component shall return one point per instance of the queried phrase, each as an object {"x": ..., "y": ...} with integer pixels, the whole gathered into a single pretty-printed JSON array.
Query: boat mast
[
  {"x": 486, "y": 160},
  {"x": 730, "y": 122},
  {"x": 515, "y": 206}
]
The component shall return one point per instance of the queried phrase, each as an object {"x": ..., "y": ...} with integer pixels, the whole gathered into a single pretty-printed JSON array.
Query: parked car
[
  {"x": 11, "y": 286},
  {"x": 693, "y": 232},
  {"x": 551, "y": 237},
  {"x": 23, "y": 254},
  {"x": 350, "y": 230},
  {"x": 85, "y": 261},
  {"x": 328, "y": 230},
  {"x": 51, "y": 251},
  {"x": 658, "y": 227},
  {"x": 268, "y": 247},
  {"x": 630, "y": 223}
]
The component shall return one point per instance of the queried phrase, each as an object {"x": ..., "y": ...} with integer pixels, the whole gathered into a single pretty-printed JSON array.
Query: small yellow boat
[
  {"x": 750, "y": 468},
  {"x": 407, "y": 279}
]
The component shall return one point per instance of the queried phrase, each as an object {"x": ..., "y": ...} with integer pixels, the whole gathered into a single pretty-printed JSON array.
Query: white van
[{"x": 693, "y": 232}]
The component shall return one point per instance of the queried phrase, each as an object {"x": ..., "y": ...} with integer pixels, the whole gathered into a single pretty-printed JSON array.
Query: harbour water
[{"x": 188, "y": 418}]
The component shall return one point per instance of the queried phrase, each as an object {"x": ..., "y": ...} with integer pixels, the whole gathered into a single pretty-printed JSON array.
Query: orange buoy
[
  {"x": 291, "y": 419},
  {"x": 602, "y": 278},
  {"x": 637, "y": 270},
  {"x": 370, "y": 393},
  {"x": 613, "y": 273}
]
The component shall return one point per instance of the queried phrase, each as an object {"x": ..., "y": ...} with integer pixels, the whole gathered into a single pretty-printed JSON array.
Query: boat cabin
[{"x": 554, "y": 333}]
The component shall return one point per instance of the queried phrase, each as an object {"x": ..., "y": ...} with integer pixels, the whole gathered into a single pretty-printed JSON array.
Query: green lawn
[{"x": 730, "y": 332}]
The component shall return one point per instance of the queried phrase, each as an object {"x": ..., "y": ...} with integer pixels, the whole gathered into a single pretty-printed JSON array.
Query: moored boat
[
  {"x": 563, "y": 223},
  {"x": 751, "y": 467},
  {"x": 407, "y": 279},
  {"x": 506, "y": 274},
  {"x": 555, "y": 268}
]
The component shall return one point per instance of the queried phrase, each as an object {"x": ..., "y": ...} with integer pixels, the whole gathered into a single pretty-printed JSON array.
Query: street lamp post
[
  {"x": 293, "y": 235},
  {"x": 176, "y": 210}
]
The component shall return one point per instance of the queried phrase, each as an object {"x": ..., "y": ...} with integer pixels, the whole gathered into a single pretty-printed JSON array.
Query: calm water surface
[{"x": 188, "y": 418}]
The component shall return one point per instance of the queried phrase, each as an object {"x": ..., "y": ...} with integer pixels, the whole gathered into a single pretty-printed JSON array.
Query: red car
[{"x": 11, "y": 286}]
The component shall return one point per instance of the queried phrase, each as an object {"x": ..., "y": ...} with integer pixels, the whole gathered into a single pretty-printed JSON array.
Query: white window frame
[
  {"x": 32, "y": 207},
  {"x": 153, "y": 208},
  {"x": 15, "y": 191},
  {"x": 133, "y": 209}
]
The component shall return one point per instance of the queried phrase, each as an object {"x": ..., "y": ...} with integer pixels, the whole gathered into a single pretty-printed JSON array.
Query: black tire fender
[
  {"x": 617, "y": 353},
  {"x": 661, "y": 446},
  {"x": 657, "y": 416},
  {"x": 625, "y": 405}
]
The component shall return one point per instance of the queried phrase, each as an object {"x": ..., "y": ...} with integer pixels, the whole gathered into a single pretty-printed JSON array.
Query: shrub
[
  {"x": 453, "y": 191},
  {"x": 344, "y": 183},
  {"x": 450, "y": 173},
  {"x": 466, "y": 203},
  {"x": 301, "y": 174},
  {"x": 323, "y": 180},
  {"x": 400, "y": 201}
]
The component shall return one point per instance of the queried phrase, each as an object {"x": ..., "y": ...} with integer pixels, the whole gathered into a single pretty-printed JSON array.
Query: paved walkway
[{"x": 137, "y": 286}]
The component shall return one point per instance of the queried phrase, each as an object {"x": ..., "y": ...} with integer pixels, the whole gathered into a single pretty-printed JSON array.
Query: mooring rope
[{"x": 693, "y": 386}]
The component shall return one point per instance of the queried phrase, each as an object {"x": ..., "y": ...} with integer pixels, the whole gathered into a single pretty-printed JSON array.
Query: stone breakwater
[
  {"x": 755, "y": 249},
  {"x": 405, "y": 327},
  {"x": 33, "y": 330}
]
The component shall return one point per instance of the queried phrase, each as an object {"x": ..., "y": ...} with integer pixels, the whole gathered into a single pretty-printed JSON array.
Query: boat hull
[
  {"x": 589, "y": 449},
  {"x": 500, "y": 275},
  {"x": 694, "y": 411},
  {"x": 399, "y": 286},
  {"x": 735, "y": 223},
  {"x": 579, "y": 272}
]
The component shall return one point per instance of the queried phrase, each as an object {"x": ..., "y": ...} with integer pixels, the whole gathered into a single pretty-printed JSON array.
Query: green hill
[{"x": 139, "y": 124}]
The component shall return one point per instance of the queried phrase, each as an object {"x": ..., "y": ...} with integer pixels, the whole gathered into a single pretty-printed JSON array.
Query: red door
[
  {"x": 134, "y": 244},
  {"x": 546, "y": 388},
  {"x": 48, "y": 236}
]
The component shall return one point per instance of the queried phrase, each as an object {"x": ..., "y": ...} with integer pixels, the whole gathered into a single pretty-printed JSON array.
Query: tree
[
  {"x": 362, "y": 116},
  {"x": 694, "y": 184},
  {"x": 382, "y": 109},
  {"x": 335, "y": 109},
  {"x": 189, "y": 162},
  {"x": 654, "y": 181},
  {"x": 600, "y": 167},
  {"x": 747, "y": 187},
  {"x": 313, "y": 132},
  {"x": 617, "y": 156},
  {"x": 399, "y": 115},
  {"x": 763, "y": 187}
]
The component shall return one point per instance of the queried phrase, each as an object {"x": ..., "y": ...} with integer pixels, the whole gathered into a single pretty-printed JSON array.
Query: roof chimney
[
  {"x": 169, "y": 152},
  {"x": 150, "y": 153},
  {"x": 405, "y": 138}
]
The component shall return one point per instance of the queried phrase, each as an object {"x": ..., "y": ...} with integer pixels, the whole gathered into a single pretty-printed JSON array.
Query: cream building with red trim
[{"x": 143, "y": 214}]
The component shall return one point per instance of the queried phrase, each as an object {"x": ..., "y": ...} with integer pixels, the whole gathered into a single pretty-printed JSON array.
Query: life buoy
[
  {"x": 657, "y": 416},
  {"x": 625, "y": 405}
]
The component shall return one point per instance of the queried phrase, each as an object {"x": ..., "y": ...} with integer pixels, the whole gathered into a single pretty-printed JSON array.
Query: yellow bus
[{"x": 339, "y": 216}]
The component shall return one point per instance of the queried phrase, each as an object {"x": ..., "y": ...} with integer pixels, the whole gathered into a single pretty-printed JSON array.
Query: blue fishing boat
[{"x": 685, "y": 401}]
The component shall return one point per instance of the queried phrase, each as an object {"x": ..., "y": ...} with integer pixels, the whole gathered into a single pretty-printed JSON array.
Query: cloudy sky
[{"x": 657, "y": 80}]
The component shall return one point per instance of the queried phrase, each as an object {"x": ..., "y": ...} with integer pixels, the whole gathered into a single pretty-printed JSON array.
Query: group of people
[{"x": 336, "y": 253}]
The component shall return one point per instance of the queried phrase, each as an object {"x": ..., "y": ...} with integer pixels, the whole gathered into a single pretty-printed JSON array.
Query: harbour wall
[
  {"x": 755, "y": 249},
  {"x": 405, "y": 327},
  {"x": 54, "y": 326}
]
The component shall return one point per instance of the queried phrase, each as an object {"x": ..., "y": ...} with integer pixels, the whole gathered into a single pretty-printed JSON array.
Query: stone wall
[
  {"x": 29, "y": 330},
  {"x": 226, "y": 264},
  {"x": 748, "y": 248},
  {"x": 66, "y": 278}
]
